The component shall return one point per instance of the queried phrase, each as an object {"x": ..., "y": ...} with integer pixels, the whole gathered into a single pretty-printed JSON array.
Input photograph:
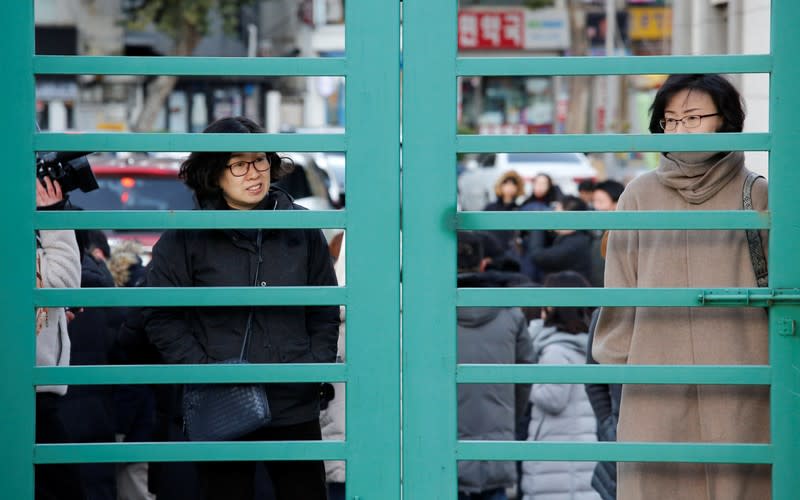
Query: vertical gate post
[
  {"x": 429, "y": 249},
  {"x": 372, "y": 43},
  {"x": 17, "y": 208},
  {"x": 784, "y": 179}
]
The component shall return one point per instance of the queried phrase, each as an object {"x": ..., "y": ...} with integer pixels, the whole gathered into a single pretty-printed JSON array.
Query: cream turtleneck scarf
[{"x": 697, "y": 176}]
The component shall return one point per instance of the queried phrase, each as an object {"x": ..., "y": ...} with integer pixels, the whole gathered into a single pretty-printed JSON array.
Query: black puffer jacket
[{"x": 295, "y": 257}]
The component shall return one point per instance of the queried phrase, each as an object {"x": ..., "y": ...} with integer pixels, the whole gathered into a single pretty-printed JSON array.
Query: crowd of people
[{"x": 544, "y": 335}]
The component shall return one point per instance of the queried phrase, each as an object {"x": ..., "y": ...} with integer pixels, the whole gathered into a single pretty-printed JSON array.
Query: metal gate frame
[
  {"x": 430, "y": 222},
  {"x": 372, "y": 222},
  {"x": 429, "y": 447}
]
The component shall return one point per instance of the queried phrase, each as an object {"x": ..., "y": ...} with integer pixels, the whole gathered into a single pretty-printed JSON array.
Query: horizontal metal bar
[
  {"x": 49, "y": 141},
  {"x": 190, "y": 219},
  {"x": 194, "y": 296},
  {"x": 623, "y": 65},
  {"x": 612, "y": 142},
  {"x": 642, "y": 297},
  {"x": 707, "y": 219},
  {"x": 189, "y": 374},
  {"x": 613, "y": 374},
  {"x": 196, "y": 66},
  {"x": 615, "y": 452},
  {"x": 760, "y": 297},
  {"x": 189, "y": 452}
]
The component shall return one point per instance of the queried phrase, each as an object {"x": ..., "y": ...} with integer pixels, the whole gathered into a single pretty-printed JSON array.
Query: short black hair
[
  {"x": 614, "y": 189},
  {"x": 202, "y": 170},
  {"x": 97, "y": 239},
  {"x": 586, "y": 185},
  {"x": 567, "y": 319},
  {"x": 571, "y": 203},
  {"x": 471, "y": 251},
  {"x": 725, "y": 96}
]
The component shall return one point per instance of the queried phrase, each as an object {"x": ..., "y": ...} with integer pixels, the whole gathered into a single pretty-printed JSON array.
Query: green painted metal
[
  {"x": 613, "y": 374},
  {"x": 573, "y": 66},
  {"x": 163, "y": 374},
  {"x": 612, "y": 142},
  {"x": 188, "y": 142},
  {"x": 613, "y": 220},
  {"x": 183, "y": 66},
  {"x": 618, "y": 452},
  {"x": 102, "y": 219},
  {"x": 17, "y": 201},
  {"x": 426, "y": 468},
  {"x": 429, "y": 249},
  {"x": 784, "y": 237}
]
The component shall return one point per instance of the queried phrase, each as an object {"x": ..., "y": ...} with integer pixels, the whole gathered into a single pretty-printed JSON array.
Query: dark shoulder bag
[
  {"x": 757, "y": 257},
  {"x": 225, "y": 412}
]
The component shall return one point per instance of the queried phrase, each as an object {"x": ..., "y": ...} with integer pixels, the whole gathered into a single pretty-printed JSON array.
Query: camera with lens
[{"x": 71, "y": 170}]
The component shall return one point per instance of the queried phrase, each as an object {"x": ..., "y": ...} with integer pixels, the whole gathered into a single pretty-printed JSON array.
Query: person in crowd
[
  {"x": 332, "y": 416},
  {"x": 240, "y": 257},
  {"x": 544, "y": 194},
  {"x": 58, "y": 265},
  {"x": 126, "y": 264},
  {"x": 88, "y": 410},
  {"x": 570, "y": 250},
  {"x": 508, "y": 189},
  {"x": 605, "y": 197},
  {"x": 586, "y": 189},
  {"x": 560, "y": 412},
  {"x": 487, "y": 411},
  {"x": 697, "y": 103}
]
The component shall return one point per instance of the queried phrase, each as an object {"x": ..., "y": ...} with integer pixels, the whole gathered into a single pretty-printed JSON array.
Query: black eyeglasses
[
  {"x": 240, "y": 168},
  {"x": 691, "y": 121}
]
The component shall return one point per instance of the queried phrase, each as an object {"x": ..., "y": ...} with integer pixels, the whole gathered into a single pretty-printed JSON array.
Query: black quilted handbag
[{"x": 224, "y": 412}]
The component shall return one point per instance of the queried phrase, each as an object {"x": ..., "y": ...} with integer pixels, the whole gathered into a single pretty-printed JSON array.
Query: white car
[{"x": 476, "y": 184}]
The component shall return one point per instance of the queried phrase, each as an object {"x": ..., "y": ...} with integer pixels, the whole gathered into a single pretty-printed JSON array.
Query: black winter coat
[
  {"x": 298, "y": 334},
  {"x": 568, "y": 252}
]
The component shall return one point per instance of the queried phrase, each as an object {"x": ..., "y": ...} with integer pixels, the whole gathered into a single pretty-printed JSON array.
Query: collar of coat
[{"x": 698, "y": 181}]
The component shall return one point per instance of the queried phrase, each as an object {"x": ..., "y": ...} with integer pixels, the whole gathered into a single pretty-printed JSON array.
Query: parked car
[
  {"x": 146, "y": 182},
  {"x": 476, "y": 183}
]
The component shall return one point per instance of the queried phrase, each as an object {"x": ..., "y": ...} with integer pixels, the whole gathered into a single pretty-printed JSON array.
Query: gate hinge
[
  {"x": 786, "y": 327},
  {"x": 754, "y": 297}
]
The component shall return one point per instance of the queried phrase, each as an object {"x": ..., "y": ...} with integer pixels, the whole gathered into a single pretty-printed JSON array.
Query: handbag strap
[
  {"x": 757, "y": 257},
  {"x": 250, "y": 314}
]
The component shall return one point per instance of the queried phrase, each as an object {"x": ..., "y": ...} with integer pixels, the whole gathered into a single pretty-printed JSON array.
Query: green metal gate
[{"x": 389, "y": 458}]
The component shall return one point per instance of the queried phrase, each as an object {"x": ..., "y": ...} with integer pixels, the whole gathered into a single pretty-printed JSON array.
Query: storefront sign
[
  {"x": 491, "y": 29},
  {"x": 650, "y": 23},
  {"x": 513, "y": 29}
]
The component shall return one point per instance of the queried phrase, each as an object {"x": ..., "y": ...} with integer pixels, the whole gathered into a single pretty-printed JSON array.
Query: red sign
[{"x": 491, "y": 29}]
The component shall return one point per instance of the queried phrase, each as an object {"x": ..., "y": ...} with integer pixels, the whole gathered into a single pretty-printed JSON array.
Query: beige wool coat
[{"x": 687, "y": 336}]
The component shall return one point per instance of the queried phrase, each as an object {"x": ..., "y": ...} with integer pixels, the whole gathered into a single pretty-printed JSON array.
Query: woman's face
[
  {"x": 541, "y": 185},
  {"x": 692, "y": 103},
  {"x": 509, "y": 190},
  {"x": 602, "y": 201},
  {"x": 246, "y": 191}
]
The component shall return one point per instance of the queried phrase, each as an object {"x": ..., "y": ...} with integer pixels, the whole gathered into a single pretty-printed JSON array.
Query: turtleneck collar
[{"x": 699, "y": 176}]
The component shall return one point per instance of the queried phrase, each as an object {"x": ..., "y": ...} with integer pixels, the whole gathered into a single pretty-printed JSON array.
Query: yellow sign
[{"x": 650, "y": 23}]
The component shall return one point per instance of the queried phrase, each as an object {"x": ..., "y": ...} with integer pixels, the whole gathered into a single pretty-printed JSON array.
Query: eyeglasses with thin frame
[
  {"x": 691, "y": 121},
  {"x": 240, "y": 168}
]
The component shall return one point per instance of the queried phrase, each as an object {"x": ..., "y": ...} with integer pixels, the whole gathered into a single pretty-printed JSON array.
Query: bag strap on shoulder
[{"x": 754, "y": 243}]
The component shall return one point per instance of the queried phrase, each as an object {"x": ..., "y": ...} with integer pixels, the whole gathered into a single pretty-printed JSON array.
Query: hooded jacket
[
  {"x": 560, "y": 412},
  {"x": 495, "y": 335},
  {"x": 279, "y": 334}
]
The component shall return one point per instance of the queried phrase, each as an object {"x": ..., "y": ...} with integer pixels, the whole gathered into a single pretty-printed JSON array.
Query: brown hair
[{"x": 510, "y": 176}]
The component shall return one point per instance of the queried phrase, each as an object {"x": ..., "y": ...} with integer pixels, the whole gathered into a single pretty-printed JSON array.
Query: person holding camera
[
  {"x": 58, "y": 265},
  {"x": 241, "y": 257}
]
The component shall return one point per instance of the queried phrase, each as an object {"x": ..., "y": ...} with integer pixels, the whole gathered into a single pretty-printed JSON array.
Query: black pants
[
  {"x": 54, "y": 481},
  {"x": 291, "y": 480}
]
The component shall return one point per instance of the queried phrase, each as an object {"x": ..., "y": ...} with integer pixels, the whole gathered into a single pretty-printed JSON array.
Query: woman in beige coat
[{"x": 689, "y": 336}]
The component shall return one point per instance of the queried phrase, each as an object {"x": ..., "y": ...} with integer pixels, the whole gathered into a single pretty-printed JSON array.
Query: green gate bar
[{"x": 371, "y": 144}]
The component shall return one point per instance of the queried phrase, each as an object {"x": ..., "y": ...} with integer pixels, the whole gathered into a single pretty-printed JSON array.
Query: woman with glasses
[
  {"x": 245, "y": 257},
  {"x": 689, "y": 181}
]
